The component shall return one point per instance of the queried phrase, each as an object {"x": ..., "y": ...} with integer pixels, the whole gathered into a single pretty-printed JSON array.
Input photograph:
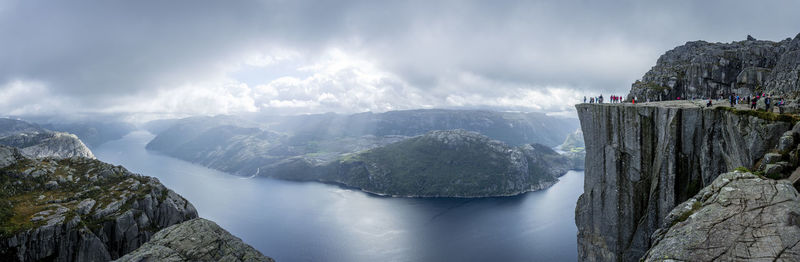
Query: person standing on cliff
[
  {"x": 733, "y": 100},
  {"x": 584, "y": 99},
  {"x": 767, "y": 101}
]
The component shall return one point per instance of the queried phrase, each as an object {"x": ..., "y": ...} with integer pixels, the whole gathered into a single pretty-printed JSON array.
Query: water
[{"x": 296, "y": 221}]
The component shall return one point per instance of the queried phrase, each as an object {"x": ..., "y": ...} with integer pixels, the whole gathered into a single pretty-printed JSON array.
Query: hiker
[
  {"x": 584, "y": 99},
  {"x": 733, "y": 100},
  {"x": 767, "y": 101},
  {"x": 600, "y": 98},
  {"x": 709, "y": 103},
  {"x": 753, "y": 103},
  {"x": 780, "y": 106}
]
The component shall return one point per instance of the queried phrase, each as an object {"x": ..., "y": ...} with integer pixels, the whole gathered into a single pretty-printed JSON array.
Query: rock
[
  {"x": 36, "y": 142},
  {"x": 68, "y": 225},
  {"x": 750, "y": 38},
  {"x": 700, "y": 69},
  {"x": 771, "y": 158},
  {"x": 50, "y": 185},
  {"x": 787, "y": 142},
  {"x": 642, "y": 160},
  {"x": 194, "y": 240},
  {"x": 772, "y": 169},
  {"x": 85, "y": 206},
  {"x": 739, "y": 217}
]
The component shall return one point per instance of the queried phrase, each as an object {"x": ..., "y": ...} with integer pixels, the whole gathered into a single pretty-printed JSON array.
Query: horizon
[{"x": 143, "y": 61}]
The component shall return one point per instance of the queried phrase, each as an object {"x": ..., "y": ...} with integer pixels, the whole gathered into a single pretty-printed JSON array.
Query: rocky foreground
[
  {"x": 81, "y": 209},
  {"x": 194, "y": 240},
  {"x": 739, "y": 217}
]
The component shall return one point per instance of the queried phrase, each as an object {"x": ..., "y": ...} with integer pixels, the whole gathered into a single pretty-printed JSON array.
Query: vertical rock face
[{"x": 644, "y": 159}]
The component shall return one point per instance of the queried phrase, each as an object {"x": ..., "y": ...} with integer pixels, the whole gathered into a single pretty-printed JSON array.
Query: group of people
[
  {"x": 599, "y": 99},
  {"x": 753, "y": 101}
]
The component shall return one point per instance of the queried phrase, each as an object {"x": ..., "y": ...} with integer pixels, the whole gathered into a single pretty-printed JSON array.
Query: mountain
[
  {"x": 248, "y": 144},
  {"x": 574, "y": 148},
  {"x": 34, "y": 141},
  {"x": 452, "y": 163},
  {"x": 701, "y": 69}
]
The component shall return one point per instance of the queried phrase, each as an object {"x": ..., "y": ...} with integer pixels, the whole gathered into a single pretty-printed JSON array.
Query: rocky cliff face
[
  {"x": 34, "y": 141},
  {"x": 79, "y": 209},
  {"x": 739, "y": 217},
  {"x": 701, "y": 69},
  {"x": 194, "y": 240},
  {"x": 642, "y": 160}
]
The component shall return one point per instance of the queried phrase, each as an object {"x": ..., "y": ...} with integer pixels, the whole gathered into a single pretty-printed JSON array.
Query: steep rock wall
[{"x": 644, "y": 159}]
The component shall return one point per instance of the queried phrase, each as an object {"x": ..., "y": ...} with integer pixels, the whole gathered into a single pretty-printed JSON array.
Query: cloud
[{"x": 211, "y": 57}]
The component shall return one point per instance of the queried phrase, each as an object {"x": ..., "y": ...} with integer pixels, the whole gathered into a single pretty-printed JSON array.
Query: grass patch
[
  {"x": 762, "y": 114},
  {"x": 742, "y": 169}
]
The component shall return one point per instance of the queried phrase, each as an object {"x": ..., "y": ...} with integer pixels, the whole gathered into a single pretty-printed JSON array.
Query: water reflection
[{"x": 295, "y": 221}]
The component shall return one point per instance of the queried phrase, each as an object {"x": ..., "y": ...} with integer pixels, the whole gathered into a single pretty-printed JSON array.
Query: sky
[{"x": 155, "y": 59}]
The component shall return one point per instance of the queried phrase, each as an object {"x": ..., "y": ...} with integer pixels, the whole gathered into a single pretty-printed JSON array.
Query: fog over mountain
[{"x": 154, "y": 59}]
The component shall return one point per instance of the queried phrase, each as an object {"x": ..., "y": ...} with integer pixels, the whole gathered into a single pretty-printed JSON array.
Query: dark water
[{"x": 293, "y": 221}]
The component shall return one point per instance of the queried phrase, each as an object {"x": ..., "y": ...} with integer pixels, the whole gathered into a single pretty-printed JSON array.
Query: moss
[
  {"x": 695, "y": 206},
  {"x": 762, "y": 114},
  {"x": 742, "y": 169}
]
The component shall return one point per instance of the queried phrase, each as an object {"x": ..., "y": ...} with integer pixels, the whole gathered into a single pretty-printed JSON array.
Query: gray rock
[
  {"x": 771, "y": 158},
  {"x": 642, "y": 160},
  {"x": 700, "y": 69},
  {"x": 194, "y": 240},
  {"x": 787, "y": 142},
  {"x": 85, "y": 206},
  {"x": 36, "y": 142},
  {"x": 50, "y": 185},
  {"x": 739, "y": 217},
  {"x": 772, "y": 169},
  {"x": 74, "y": 230}
]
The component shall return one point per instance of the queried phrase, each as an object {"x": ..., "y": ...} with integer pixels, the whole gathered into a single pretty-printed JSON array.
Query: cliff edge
[{"x": 644, "y": 159}]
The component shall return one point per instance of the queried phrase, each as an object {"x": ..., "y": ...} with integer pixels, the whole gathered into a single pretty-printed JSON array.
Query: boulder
[
  {"x": 194, "y": 240},
  {"x": 739, "y": 217}
]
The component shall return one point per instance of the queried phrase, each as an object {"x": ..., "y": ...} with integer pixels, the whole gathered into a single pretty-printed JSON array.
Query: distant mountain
[
  {"x": 269, "y": 145},
  {"x": 575, "y": 148},
  {"x": 34, "y": 141},
  {"x": 92, "y": 133},
  {"x": 452, "y": 163},
  {"x": 513, "y": 128}
]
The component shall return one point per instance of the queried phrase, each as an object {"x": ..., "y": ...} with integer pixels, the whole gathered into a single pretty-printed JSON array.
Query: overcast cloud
[{"x": 177, "y": 58}]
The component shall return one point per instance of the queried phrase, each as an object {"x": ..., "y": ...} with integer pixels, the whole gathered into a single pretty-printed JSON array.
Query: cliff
[
  {"x": 81, "y": 209},
  {"x": 451, "y": 163},
  {"x": 34, "y": 141},
  {"x": 701, "y": 69},
  {"x": 644, "y": 159}
]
